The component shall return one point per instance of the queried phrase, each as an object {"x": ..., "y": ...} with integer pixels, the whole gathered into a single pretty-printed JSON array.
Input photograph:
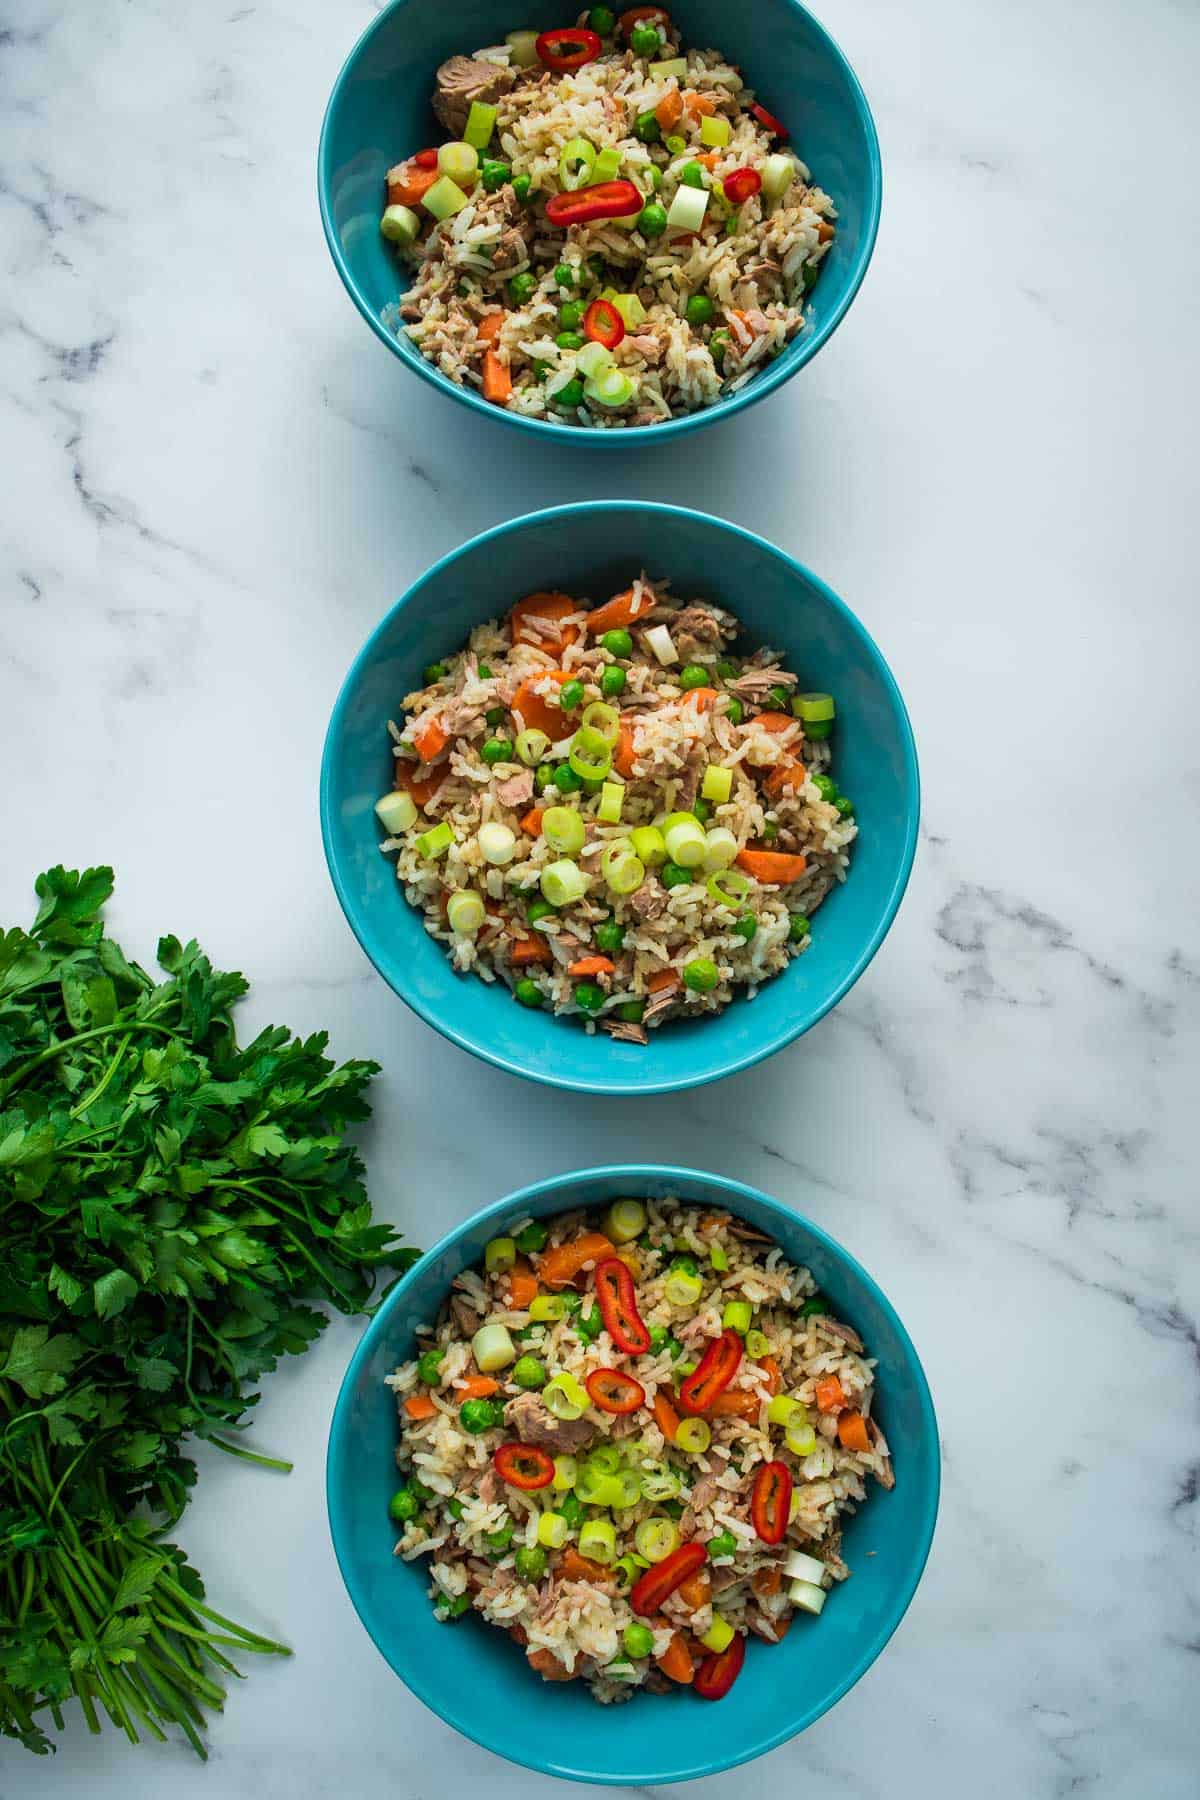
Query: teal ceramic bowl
[
  {"x": 593, "y": 550},
  {"x": 474, "y": 1678},
  {"x": 379, "y": 113}
]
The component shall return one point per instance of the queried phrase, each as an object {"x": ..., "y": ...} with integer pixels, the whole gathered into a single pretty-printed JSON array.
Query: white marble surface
[{"x": 215, "y": 480}]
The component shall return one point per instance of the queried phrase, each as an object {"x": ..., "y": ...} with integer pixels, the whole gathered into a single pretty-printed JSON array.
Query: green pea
[
  {"x": 818, "y": 1305},
  {"x": 638, "y": 1640},
  {"x": 403, "y": 1506},
  {"x": 570, "y": 396},
  {"x": 434, "y": 672},
  {"x": 644, "y": 41},
  {"x": 699, "y": 310},
  {"x": 630, "y": 1012},
  {"x": 532, "y": 1237},
  {"x": 671, "y": 875},
  {"x": 588, "y": 997},
  {"x": 779, "y": 700},
  {"x": 570, "y": 315},
  {"x": 571, "y": 1508},
  {"x": 429, "y": 1366},
  {"x": 826, "y": 787},
  {"x": 724, "y": 1544},
  {"x": 798, "y": 927},
  {"x": 530, "y": 1562},
  {"x": 652, "y": 220},
  {"x": 528, "y": 992},
  {"x": 609, "y": 936},
  {"x": 589, "y": 1325},
  {"x": 692, "y": 175},
  {"x": 539, "y": 909},
  {"x": 693, "y": 675},
  {"x": 570, "y": 340},
  {"x": 646, "y": 128},
  {"x": 545, "y": 775},
  {"x": 495, "y": 715},
  {"x": 602, "y": 20},
  {"x": 770, "y": 831},
  {"x": 745, "y": 927},
  {"x": 735, "y": 712},
  {"x": 497, "y": 750},
  {"x": 845, "y": 806},
  {"x": 617, "y": 643},
  {"x": 485, "y": 673},
  {"x": 564, "y": 275},
  {"x": 521, "y": 287},
  {"x": 701, "y": 975},
  {"x": 612, "y": 681},
  {"x": 494, "y": 175},
  {"x": 476, "y": 1416},
  {"x": 571, "y": 695},
  {"x": 727, "y": 670},
  {"x": 529, "y": 1372},
  {"x": 674, "y": 1351},
  {"x": 453, "y": 1609},
  {"x": 718, "y": 344},
  {"x": 521, "y": 185},
  {"x": 655, "y": 177},
  {"x": 658, "y": 1337},
  {"x": 455, "y": 1508},
  {"x": 501, "y": 1539},
  {"x": 703, "y": 810},
  {"x": 566, "y": 780}
]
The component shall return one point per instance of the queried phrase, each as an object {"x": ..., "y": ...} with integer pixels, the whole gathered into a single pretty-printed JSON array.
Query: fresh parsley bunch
[{"x": 171, "y": 1207}]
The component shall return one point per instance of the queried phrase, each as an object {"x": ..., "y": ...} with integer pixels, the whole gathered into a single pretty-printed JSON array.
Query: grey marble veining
[{"x": 215, "y": 481}]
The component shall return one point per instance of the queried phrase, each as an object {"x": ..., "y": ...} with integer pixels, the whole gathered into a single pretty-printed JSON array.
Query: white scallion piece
[
  {"x": 464, "y": 913},
  {"x": 807, "y": 1596},
  {"x": 799, "y": 1567},
  {"x": 778, "y": 174},
  {"x": 522, "y": 47},
  {"x": 661, "y": 641},
  {"x": 396, "y": 813},
  {"x": 687, "y": 209},
  {"x": 497, "y": 842},
  {"x": 493, "y": 1348}
]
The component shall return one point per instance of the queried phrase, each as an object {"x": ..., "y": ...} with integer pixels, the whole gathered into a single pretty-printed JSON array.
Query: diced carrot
[
  {"x": 528, "y": 950},
  {"x": 665, "y": 1416},
  {"x": 548, "y": 1665},
  {"x": 831, "y": 1396},
  {"x": 786, "y": 777},
  {"x": 407, "y": 185},
  {"x": 537, "y": 713},
  {"x": 422, "y": 791},
  {"x": 623, "y": 754},
  {"x": 734, "y": 1404},
  {"x": 592, "y": 965},
  {"x": 619, "y": 613},
  {"x": 419, "y": 1406},
  {"x": 852, "y": 1432},
  {"x": 774, "y": 722},
  {"x": 518, "y": 1634},
  {"x": 699, "y": 105},
  {"x": 560, "y": 1266},
  {"x": 713, "y": 1221},
  {"x": 709, "y": 159},
  {"x": 574, "y": 1567},
  {"x": 696, "y": 1591},
  {"x": 768, "y": 1581},
  {"x": 476, "y": 1387},
  {"x": 824, "y": 231},
  {"x": 488, "y": 329},
  {"x": 702, "y": 698},
  {"x": 676, "y": 1660},
  {"x": 430, "y": 737},
  {"x": 664, "y": 981},
  {"x": 771, "y": 866},
  {"x": 780, "y": 1627},
  {"x": 497, "y": 381},
  {"x": 531, "y": 824},
  {"x": 669, "y": 110},
  {"x": 542, "y": 606},
  {"x": 522, "y": 1285},
  {"x": 773, "y": 1373}
]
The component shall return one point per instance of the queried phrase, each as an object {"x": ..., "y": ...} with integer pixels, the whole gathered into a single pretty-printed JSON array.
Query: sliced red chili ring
[
  {"x": 741, "y": 184},
  {"x": 642, "y": 15},
  {"x": 717, "y": 1674},
  {"x": 615, "y": 1392},
  {"x": 712, "y": 1374},
  {"x": 603, "y": 324},
  {"x": 524, "y": 1466},
  {"x": 426, "y": 159},
  {"x": 769, "y": 122},
  {"x": 618, "y": 1307},
  {"x": 607, "y": 200},
  {"x": 568, "y": 48},
  {"x": 651, "y": 1589},
  {"x": 771, "y": 1501}
]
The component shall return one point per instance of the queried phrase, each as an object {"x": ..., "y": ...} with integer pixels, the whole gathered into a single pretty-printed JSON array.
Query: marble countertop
[{"x": 216, "y": 481}]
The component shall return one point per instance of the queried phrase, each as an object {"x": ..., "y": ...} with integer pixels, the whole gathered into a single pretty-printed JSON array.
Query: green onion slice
[
  {"x": 727, "y": 886},
  {"x": 606, "y": 167},
  {"x": 432, "y": 843},
  {"x": 531, "y": 746},
  {"x": 563, "y": 830},
  {"x": 812, "y": 708},
  {"x": 590, "y": 755},
  {"x": 576, "y": 163},
  {"x": 563, "y": 882},
  {"x": 604, "y": 720}
]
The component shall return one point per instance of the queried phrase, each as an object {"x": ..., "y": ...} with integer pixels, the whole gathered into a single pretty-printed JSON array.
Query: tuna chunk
[
  {"x": 463, "y": 80},
  {"x": 533, "y": 1424},
  {"x": 517, "y": 790}
]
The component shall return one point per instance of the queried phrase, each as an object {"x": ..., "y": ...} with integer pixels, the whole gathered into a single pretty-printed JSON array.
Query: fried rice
[
  {"x": 571, "y": 1582},
  {"x": 500, "y": 294},
  {"x": 633, "y": 899}
]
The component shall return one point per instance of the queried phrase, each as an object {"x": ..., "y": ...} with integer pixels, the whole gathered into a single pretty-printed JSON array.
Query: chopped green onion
[
  {"x": 687, "y": 209},
  {"x": 464, "y": 913},
  {"x": 575, "y": 163},
  {"x": 552, "y": 1530},
  {"x": 814, "y": 708},
  {"x": 624, "y": 1221},
  {"x": 758, "y": 1345},
  {"x": 497, "y": 842},
  {"x": 563, "y": 883},
  {"x": 801, "y": 1440},
  {"x": 566, "y": 1473},
  {"x": 432, "y": 843},
  {"x": 682, "y": 1289},
  {"x": 799, "y": 1567},
  {"x": 778, "y": 173},
  {"x": 656, "y": 1538},
  {"x": 493, "y": 1348},
  {"x": 728, "y": 886},
  {"x": 590, "y": 754},
  {"x": 715, "y": 131},
  {"x": 531, "y": 746},
  {"x": 612, "y": 798},
  {"x": 444, "y": 198},
  {"x": 598, "y": 1539},
  {"x": 783, "y": 1408},
  {"x": 544, "y": 1309},
  {"x": 606, "y": 1458},
  {"x": 724, "y": 1544},
  {"x": 719, "y": 1635},
  {"x": 604, "y": 720},
  {"x": 481, "y": 122},
  {"x": 663, "y": 71},
  {"x": 593, "y": 359},
  {"x": 627, "y": 1571},
  {"x": 596, "y": 1487},
  {"x": 737, "y": 1316},
  {"x": 806, "y": 1596},
  {"x": 396, "y": 813},
  {"x": 649, "y": 845},
  {"x": 684, "y": 840},
  {"x": 606, "y": 167},
  {"x": 659, "y": 1483},
  {"x": 399, "y": 224},
  {"x": 628, "y": 305},
  {"x": 623, "y": 872},
  {"x": 564, "y": 1397},
  {"x": 459, "y": 162},
  {"x": 693, "y": 1436},
  {"x": 717, "y": 784},
  {"x": 720, "y": 849},
  {"x": 499, "y": 1254},
  {"x": 611, "y": 388},
  {"x": 563, "y": 829},
  {"x": 523, "y": 48},
  {"x": 719, "y": 1258}
]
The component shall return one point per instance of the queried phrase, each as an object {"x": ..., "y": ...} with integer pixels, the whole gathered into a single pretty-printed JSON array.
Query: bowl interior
[
  {"x": 593, "y": 552},
  {"x": 379, "y": 113},
  {"x": 475, "y": 1678}
]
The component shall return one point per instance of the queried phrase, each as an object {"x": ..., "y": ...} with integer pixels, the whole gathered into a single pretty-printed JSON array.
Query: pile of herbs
[{"x": 171, "y": 1206}]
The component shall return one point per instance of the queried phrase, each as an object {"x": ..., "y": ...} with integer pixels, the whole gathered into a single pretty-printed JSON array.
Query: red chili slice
[
  {"x": 607, "y": 200},
  {"x": 524, "y": 1466},
  {"x": 771, "y": 1501},
  {"x": 717, "y": 1674},
  {"x": 618, "y": 1307},
  {"x": 603, "y": 324},
  {"x": 741, "y": 184},
  {"x": 651, "y": 1589},
  {"x": 643, "y": 15},
  {"x": 426, "y": 159},
  {"x": 712, "y": 1374},
  {"x": 769, "y": 122},
  {"x": 569, "y": 48},
  {"x": 615, "y": 1392}
]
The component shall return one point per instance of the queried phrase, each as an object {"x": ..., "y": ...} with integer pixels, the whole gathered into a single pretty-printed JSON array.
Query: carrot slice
[
  {"x": 621, "y": 611},
  {"x": 781, "y": 1627},
  {"x": 696, "y": 1591},
  {"x": 560, "y": 1266},
  {"x": 422, "y": 791},
  {"x": 664, "y": 980},
  {"x": 786, "y": 777},
  {"x": 489, "y": 327},
  {"x": 476, "y": 1387},
  {"x": 665, "y": 1416},
  {"x": 548, "y": 1665},
  {"x": 407, "y": 185},
  {"x": 669, "y": 110},
  {"x": 543, "y": 606},
  {"x": 702, "y": 698},
  {"x": 574, "y": 1567},
  {"x": 497, "y": 382},
  {"x": 529, "y": 950},
  {"x": 676, "y": 1661},
  {"x": 430, "y": 738},
  {"x": 419, "y": 1406},
  {"x": 831, "y": 1395},
  {"x": 731, "y": 1405},
  {"x": 824, "y": 231},
  {"x": 531, "y": 824},
  {"x": 522, "y": 1285},
  {"x": 774, "y": 722},
  {"x": 623, "y": 754},
  {"x": 852, "y": 1432},
  {"x": 699, "y": 105},
  {"x": 537, "y": 713},
  {"x": 773, "y": 1373},
  {"x": 768, "y": 1581},
  {"x": 592, "y": 965},
  {"x": 709, "y": 160},
  {"x": 771, "y": 866}
]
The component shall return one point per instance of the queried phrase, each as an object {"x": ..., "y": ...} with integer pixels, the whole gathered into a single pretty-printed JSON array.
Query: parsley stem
[
  {"x": 81, "y": 1037},
  {"x": 254, "y": 1456}
]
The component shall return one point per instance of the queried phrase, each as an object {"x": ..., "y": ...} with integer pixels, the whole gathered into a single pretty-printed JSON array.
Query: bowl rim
[
  {"x": 627, "y": 1174},
  {"x": 803, "y": 1020},
  {"x": 799, "y": 352}
]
